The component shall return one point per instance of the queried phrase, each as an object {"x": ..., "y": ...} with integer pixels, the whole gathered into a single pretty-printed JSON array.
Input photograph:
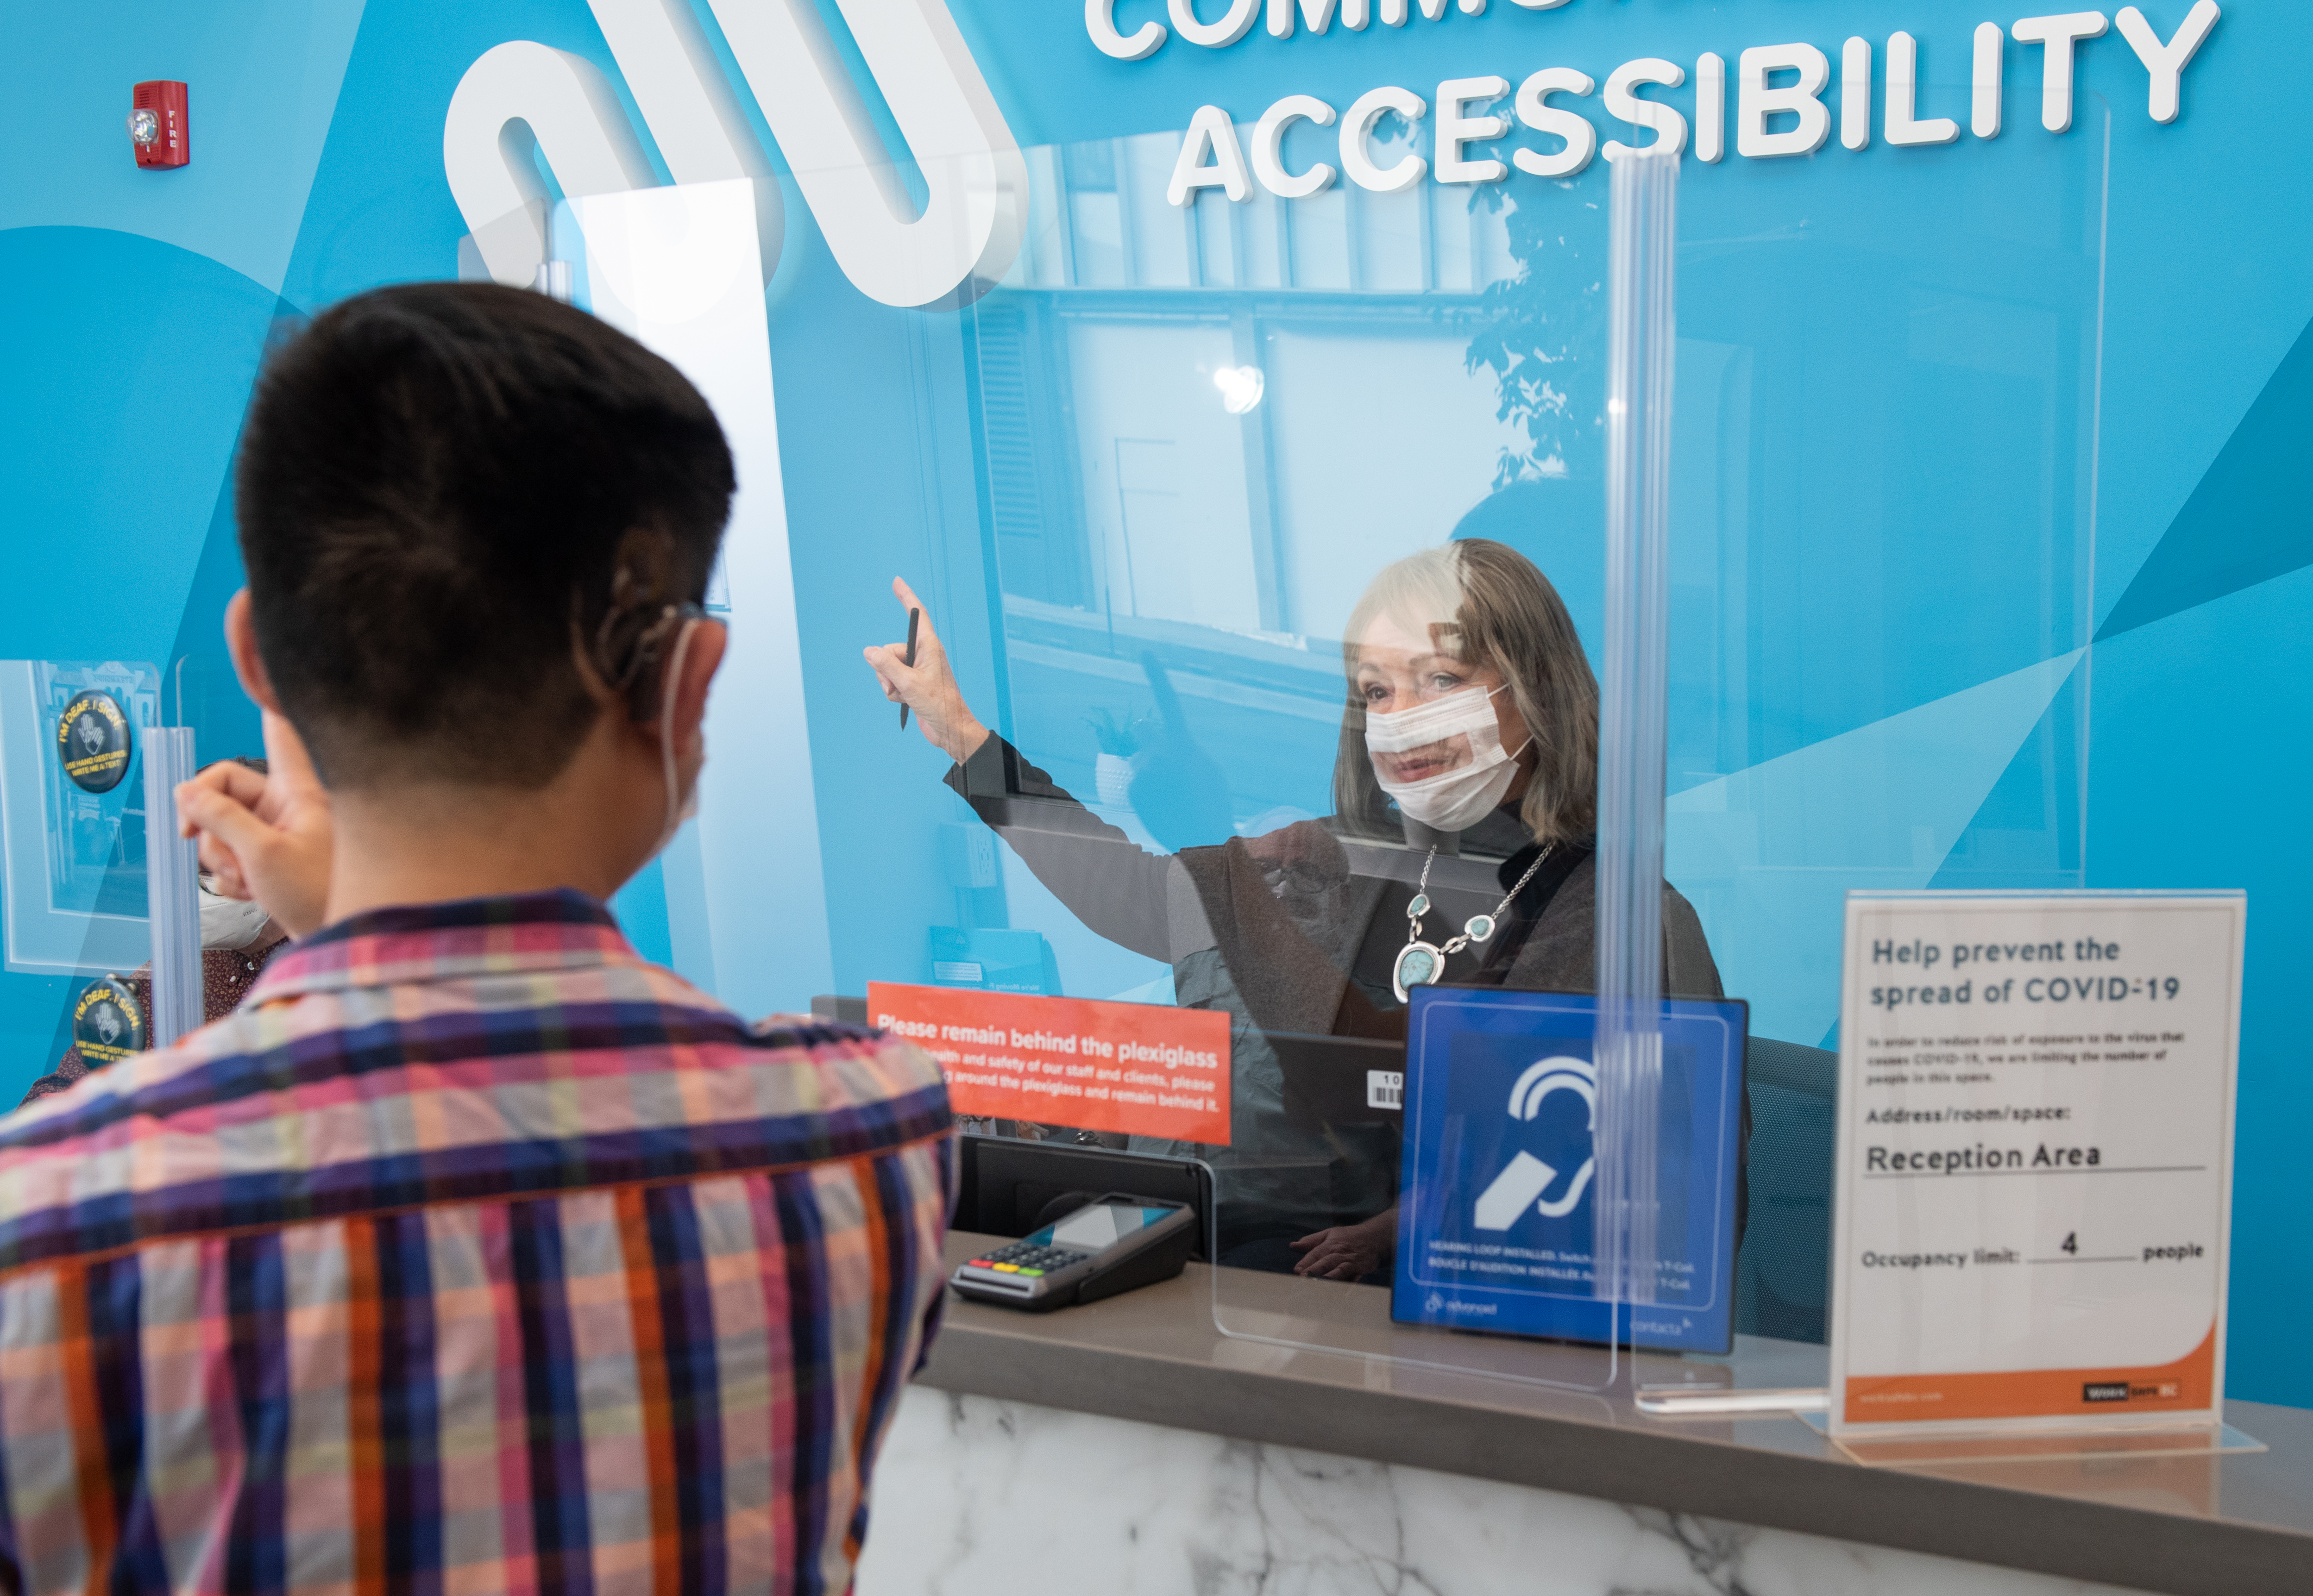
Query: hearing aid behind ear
[{"x": 632, "y": 644}]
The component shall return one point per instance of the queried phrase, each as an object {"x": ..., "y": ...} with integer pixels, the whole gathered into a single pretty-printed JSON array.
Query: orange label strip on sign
[
  {"x": 1135, "y": 1069},
  {"x": 2185, "y": 1386}
]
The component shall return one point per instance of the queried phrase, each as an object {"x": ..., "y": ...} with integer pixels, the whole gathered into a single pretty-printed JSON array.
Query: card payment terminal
[{"x": 1111, "y": 1244}]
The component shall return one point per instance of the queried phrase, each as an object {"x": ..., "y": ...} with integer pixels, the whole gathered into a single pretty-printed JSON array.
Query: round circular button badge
[
  {"x": 108, "y": 1022},
  {"x": 94, "y": 741}
]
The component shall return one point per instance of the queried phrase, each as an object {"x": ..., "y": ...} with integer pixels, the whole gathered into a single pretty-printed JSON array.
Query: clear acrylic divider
[
  {"x": 1880, "y": 670},
  {"x": 1878, "y": 666},
  {"x": 73, "y": 799},
  {"x": 173, "y": 880},
  {"x": 75, "y": 747},
  {"x": 1524, "y": 1242},
  {"x": 1642, "y": 345},
  {"x": 2108, "y": 1446},
  {"x": 1186, "y": 492}
]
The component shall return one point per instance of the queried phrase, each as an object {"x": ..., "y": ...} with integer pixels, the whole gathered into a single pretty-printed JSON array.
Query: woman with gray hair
[{"x": 1460, "y": 851}]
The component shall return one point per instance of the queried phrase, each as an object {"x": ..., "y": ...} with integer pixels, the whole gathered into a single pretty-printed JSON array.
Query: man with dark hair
[{"x": 471, "y": 1251}]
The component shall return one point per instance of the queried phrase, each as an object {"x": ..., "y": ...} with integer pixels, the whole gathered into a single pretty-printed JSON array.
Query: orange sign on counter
[{"x": 1136, "y": 1068}]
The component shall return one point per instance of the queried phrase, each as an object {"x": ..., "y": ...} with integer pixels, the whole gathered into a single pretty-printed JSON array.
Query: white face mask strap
[
  {"x": 670, "y": 682},
  {"x": 1518, "y": 752}
]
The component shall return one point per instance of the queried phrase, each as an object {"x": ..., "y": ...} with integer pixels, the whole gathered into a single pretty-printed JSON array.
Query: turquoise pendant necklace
[{"x": 1419, "y": 963}]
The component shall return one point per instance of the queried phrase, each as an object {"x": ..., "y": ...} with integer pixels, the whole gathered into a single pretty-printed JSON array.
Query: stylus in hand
[{"x": 915, "y": 618}]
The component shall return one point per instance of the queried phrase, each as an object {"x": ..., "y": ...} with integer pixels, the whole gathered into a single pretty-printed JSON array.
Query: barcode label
[{"x": 1385, "y": 1089}]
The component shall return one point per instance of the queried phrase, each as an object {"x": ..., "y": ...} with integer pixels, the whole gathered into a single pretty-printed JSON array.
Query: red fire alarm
[{"x": 159, "y": 126}]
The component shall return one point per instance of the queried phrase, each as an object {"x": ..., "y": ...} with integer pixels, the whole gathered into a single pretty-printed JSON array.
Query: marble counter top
[{"x": 2231, "y": 1524}]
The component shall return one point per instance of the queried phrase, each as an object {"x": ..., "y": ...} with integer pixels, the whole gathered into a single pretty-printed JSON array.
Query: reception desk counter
[{"x": 1135, "y": 1436}]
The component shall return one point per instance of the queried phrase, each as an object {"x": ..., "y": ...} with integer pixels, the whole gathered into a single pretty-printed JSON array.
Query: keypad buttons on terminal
[{"x": 1029, "y": 1260}]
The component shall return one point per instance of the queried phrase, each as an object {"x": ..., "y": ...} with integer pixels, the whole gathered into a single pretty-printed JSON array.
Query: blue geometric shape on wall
[
  {"x": 2249, "y": 520},
  {"x": 2026, "y": 834},
  {"x": 1775, "y": 849},
  {"x": 129, "y": 364},
  {"x": 378, "y": 210}
]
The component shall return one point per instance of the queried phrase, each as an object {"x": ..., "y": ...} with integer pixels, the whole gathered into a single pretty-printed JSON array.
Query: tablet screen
[{"x": 1102, "y": 1226}]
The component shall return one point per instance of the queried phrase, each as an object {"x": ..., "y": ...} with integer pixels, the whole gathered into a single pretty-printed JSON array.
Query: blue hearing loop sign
[{"x": 1495, "y": 1220}]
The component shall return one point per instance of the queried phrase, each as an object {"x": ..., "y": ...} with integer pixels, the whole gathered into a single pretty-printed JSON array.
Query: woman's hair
[{"x": 1504, "y": 614}]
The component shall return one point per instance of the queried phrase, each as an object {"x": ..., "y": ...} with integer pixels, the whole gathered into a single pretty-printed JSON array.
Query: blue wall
[{"x": 317, "y": 173}]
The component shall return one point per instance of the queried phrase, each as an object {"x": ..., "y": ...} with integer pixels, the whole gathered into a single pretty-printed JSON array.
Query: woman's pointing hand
[{"x": 929, "y": 686}]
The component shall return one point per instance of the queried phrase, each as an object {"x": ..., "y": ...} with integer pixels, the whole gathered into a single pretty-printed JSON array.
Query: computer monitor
[{"x": 1333, "y": 1082}]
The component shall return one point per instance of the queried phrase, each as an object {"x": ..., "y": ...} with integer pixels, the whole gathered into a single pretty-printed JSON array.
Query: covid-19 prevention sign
[{"x": 2035, "y": 1166}]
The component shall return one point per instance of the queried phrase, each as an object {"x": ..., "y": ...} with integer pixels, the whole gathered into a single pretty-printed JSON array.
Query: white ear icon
[
  {"x": 1525, "y": 1178},
  {"x": 1560, "y": 1074}
]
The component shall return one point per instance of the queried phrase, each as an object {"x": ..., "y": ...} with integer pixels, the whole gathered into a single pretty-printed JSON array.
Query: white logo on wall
[
  {"x": 1525, "y": 1179},
  {"x": 967, "y": 233},
  {"x": 976, "y": 180}
]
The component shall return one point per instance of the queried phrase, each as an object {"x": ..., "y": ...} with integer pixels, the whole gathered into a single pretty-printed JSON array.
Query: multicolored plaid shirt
[{"x": 472, "y": 1254}]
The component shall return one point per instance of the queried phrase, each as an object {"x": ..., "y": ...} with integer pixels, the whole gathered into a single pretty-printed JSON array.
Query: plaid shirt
[{"x": 472, "y": 1254}]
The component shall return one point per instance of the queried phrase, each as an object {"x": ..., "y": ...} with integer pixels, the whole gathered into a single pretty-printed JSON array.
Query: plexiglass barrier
[
  {"x": 172, "y": 889},
  {"x": 74, "y": 838},
  {"x": 1883, "y": 546},
  {"x": 72, "y": 804},
  {"x": 1261, "y": 553},
  {"x": 93, "y": 864},
  {"x": 1883, "y": 533}
]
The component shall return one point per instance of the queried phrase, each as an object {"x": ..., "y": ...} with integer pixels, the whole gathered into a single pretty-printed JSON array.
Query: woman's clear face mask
[
  {"x": 1437, "y": 731},
  {"x": 1398, "y": 670}
]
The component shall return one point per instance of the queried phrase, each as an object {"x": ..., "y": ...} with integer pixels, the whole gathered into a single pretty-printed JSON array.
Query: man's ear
[
  {"x": 240, "y": 642},
  {"x": 700, "y": 660}
]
